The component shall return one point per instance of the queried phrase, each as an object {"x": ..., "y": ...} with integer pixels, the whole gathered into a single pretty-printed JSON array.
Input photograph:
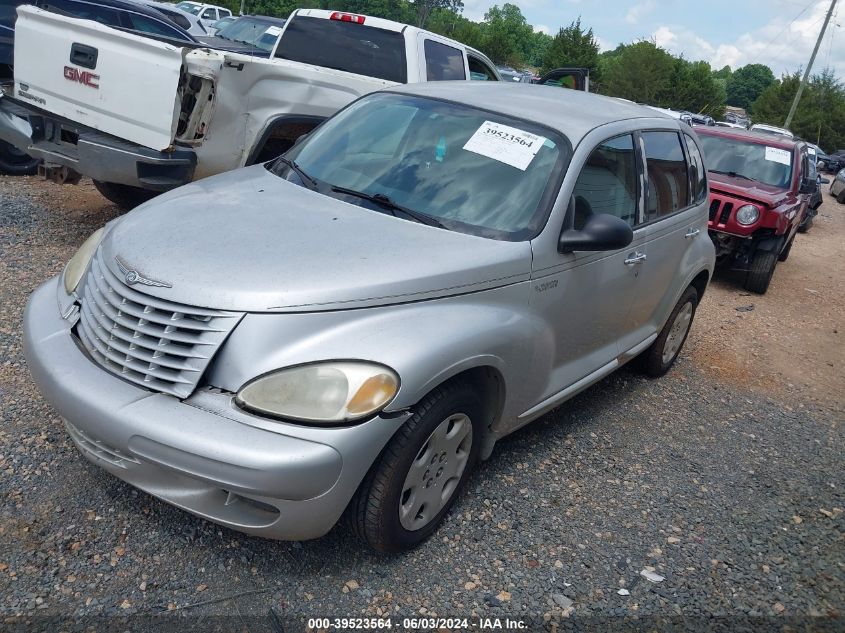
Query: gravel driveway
[{"x": 724, "y": 479}]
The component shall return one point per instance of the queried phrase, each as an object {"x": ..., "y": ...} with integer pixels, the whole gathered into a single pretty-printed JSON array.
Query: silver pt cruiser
[{"x": 352, "y": 326}]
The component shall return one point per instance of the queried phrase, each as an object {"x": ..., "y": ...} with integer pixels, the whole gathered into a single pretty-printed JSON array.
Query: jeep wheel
[
  {"x": 14, "y": 162},
  {"x": 784, "y": 254},
  {"x": 661, "y": 355},
  {"x": 806, "y": 225},
  {"x": 841, "y": 197},
  {"x": 421, "y": 472},
  {"x": 761, "y": 271},
  {"x": 125, "y": 197}
]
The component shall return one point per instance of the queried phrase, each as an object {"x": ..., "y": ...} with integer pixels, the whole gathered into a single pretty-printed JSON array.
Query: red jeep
[{"x": 760, "y": 186}]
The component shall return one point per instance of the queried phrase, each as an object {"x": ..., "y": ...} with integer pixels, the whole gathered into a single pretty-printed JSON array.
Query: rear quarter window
[
  {"x": 442, "y": 62},
  {"x": 347, "y": 46}
]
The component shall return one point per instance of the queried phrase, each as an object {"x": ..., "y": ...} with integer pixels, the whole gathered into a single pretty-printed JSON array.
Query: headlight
[
  {"x": 323, "y": 393},
  {"x": 747, "y": 214},
  {"x": 75, "y": 268}
]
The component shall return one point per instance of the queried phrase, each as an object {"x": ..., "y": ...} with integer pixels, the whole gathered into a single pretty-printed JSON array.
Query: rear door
[
  {"x": 441, "y": 59},
  {"x": 675, "y": 216},
  {"x": 119, "y": 83}
]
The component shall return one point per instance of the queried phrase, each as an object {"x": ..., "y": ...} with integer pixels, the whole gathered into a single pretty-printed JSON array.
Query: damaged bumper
[{"x": 75, "y": 149}]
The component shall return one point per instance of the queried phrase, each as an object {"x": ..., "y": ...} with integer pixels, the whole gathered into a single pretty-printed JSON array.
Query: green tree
[
  {"x": 573, "y": 46},
  {"x": 820, "y": 116},
  {"x": 538, "y": 46},
  {"x": 641, "y": 72},
  {"x": 747, "y": 83},
  {"x": 424, "y": 8},
  {"x": 694, "y": 88},
  {"x": 507, "y": 35}
]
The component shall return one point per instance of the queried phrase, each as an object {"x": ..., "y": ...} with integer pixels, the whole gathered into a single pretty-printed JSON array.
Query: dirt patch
[{"x": 791, "y": 340}]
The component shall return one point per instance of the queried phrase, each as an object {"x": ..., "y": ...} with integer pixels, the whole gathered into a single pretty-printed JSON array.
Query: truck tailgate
[{"x": 119, "y": 83}]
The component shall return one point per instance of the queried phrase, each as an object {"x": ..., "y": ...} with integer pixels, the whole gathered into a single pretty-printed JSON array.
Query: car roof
[
  {"x": 261, "y": 18},
  {"x": 572, "y": 112},
  {"x": 773, "y": 140}
]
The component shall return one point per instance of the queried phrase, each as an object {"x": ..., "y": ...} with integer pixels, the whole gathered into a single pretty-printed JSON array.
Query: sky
[{"x": 778, "y": 33}]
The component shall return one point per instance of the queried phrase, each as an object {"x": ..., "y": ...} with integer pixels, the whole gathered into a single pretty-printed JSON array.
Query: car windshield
[
  {"x": 466, "y": 169},
  {"x": 189, "y": 7},
  {"x": 755, "y": 161},
  {"x": 256, "y": 33}
]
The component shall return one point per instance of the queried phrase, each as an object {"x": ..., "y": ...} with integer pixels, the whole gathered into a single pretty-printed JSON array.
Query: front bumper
[
  {"x": 91, "y": 153},
  {"x": 201, "y": 454}
]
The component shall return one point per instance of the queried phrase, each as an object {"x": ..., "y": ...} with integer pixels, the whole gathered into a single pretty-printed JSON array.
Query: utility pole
[{"x": 809, "y": 67}]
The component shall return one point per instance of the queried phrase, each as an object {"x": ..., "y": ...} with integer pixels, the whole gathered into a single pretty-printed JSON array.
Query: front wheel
[
  {"x": 662, "y": 354},
  {"x": 125, "y": 197},
  {"x": 841, "y": 197},
  {"x": 784, "y": 254},
  {"x": 761, "y": 271},
  {"x": 421, "y": 472}
]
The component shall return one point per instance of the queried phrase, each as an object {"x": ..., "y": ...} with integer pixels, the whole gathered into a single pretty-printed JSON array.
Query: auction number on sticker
[
  {"x": 349, "y": 623},
  {"x": 513, "y": 138}
]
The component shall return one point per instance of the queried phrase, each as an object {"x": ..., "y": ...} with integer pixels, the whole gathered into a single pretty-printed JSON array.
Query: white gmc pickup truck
[{"x": 140, "y": 116}]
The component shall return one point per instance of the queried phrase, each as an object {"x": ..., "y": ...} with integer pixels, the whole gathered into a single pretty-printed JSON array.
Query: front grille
[{"x": 160, "y": 345}]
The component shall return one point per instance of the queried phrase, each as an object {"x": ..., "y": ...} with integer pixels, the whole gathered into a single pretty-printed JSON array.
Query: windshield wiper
[
  {"x": 734, "y": 174},
  {"x": 385, "y": 201},
  {"x": 299, "y": 171}
]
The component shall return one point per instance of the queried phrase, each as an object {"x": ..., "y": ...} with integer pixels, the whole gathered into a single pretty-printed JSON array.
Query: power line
[{"x": 791, "y": 22}]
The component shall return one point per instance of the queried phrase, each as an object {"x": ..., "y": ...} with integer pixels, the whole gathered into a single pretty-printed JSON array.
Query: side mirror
[
  {"x": 601, "y": 232},
  {"x": 808, "y": 185},
  {"x": 823, "y": 180}
]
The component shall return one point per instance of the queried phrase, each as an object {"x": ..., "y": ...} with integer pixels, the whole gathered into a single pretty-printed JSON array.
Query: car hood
[
  {"x": 747, "y": 189},
  {"x": 251, "y": 241}
]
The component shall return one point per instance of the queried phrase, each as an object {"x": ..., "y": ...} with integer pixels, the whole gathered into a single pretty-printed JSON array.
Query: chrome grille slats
[{"x": 159, "y": 344}]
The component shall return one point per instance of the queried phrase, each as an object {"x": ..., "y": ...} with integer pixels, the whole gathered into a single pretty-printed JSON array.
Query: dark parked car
[
  {"x": 701, "y": 119},
  {"x": 760, "y": 190},
  {"x": 837, "y": 187}
]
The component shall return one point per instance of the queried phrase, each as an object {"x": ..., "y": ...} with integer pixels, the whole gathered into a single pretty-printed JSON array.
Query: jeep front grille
[{"x": 158, "y": 344}]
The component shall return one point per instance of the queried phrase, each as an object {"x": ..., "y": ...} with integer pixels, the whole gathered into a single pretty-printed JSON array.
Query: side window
[
  {"x": 224, "y": 13},
  {"x": 608, "y": 182},
  {"x": 667, "y": 174},
  {"x": 479, "y": 71},
  {"x": 443, "y": 62},
  {"x": 84, "y": 10},
  {"x": 209, "y": 14},
  {"x": 697, "y": 172}
]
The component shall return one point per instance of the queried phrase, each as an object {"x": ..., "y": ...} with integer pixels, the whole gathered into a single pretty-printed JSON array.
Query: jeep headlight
[
  {"x": 747, "y": 214},
  {"x": 323, "y": 393},
  {"x": 78, "y": 264}
]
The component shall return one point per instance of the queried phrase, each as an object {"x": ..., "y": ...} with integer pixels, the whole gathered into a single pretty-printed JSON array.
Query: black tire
[
  {"x": 760, "y": 274},
  {"x": 840, "y": 198},
  {"x": 374, "y": 511},
  {"x": 652, "y": 361},
  {"x": 14, "y": 162},
  {"x": 124, "y": 196},
  {"x": 805, "y": 226},
  {"x": 784, "y": 254}
]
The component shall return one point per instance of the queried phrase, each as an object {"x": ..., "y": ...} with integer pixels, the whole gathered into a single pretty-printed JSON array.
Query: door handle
[
  {"x": 636, "y": 258},
  {"x": 82, "y": 55},
  {"x": 692, "y": 233}
]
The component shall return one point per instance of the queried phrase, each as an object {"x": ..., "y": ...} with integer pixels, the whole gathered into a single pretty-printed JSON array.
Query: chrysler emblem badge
[{"x": 132, "y": 276}]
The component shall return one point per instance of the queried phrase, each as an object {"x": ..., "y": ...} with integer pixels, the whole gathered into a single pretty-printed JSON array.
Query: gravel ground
[{"x": 723, "y": 478}]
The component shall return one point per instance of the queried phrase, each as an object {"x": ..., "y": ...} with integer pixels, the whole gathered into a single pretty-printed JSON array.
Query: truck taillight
[{"x": 348, "y": 17}]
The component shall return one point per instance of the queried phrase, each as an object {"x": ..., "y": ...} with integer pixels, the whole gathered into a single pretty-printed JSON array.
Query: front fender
[{"x": 426, "y": 343}]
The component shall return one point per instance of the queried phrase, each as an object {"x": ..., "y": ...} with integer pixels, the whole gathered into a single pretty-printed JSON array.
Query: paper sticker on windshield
[
  {"x": 811, "y": 151},
  {"x": 505, "y": 144},
  {"x": 777, "y": 155},
  {"x": 273, "y": 30}
]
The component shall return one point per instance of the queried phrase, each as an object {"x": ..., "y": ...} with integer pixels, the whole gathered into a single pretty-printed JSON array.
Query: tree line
[{"x": 640, "y": 71}]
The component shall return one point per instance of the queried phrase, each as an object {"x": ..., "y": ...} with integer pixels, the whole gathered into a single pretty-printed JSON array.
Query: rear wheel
[
  {"x": 14, "y": 162},
  {"x": 761, "y": 271},
  {"x": 662, "y": 354},
  {"x": 421, "y": 472},
  {"x": 124, "y": 196},
  {"x": 805, "y": 226},
  {"x": 840, "y": 198}
]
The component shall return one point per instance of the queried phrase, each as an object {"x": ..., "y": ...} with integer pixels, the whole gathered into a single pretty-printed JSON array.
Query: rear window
[{"x": 347, "y": 46}]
